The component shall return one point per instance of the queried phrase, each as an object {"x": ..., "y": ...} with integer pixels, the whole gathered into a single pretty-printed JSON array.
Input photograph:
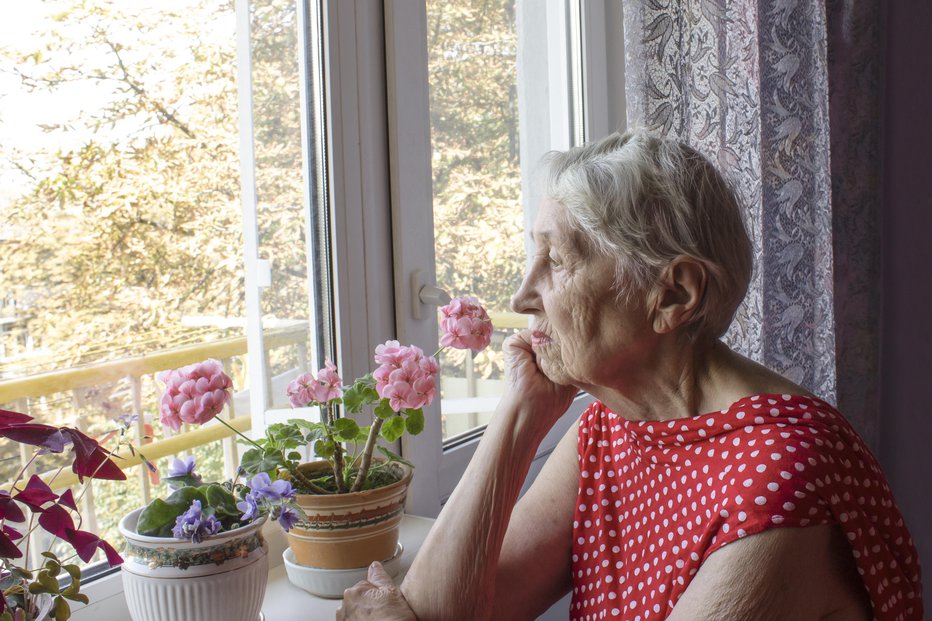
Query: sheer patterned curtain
[{"x": 784, "y": 95}]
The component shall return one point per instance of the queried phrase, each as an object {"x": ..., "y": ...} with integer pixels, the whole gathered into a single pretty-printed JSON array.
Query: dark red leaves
[
  {"x": 36, "y": 434},
  {"x": 91, "y": 459},
  {"x": 85, "y": 543},
  {"x": 13, "y": 418},
  {"x": 9, "y": 510},
  {"x": 8, "y": 549},
  {"x": 67, "y": 499},
  {"x": 36, "y": 494},
  {"x": 56, "y": 520},
  {"x": 113, "y": 557}
]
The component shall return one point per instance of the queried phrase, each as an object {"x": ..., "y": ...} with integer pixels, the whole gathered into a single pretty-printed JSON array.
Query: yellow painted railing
[
  {"x": 161, "y": 448},
  {"x": 21, "y": 393}
]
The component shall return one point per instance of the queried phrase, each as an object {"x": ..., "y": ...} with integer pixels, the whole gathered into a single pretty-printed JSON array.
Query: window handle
[{"x": 423, "y": 295}]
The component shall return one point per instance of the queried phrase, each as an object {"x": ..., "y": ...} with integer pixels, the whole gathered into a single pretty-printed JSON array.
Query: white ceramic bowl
[{"x": 331, "y": 583}]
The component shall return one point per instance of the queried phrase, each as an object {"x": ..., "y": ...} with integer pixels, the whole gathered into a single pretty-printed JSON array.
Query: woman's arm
[
  {"x": 455, "y": 574},
  {"x": 805, "y": 574},
  {"x": 534, "y": 566}
]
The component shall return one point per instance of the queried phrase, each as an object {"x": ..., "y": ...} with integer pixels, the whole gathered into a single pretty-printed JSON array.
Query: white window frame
[
  {"x": 380, "y": 182},
  {"x": 544, "y": 35}
]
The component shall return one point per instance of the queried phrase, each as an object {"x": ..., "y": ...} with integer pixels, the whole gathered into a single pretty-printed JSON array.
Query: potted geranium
[
  {"x": 352, "y": 503},
  {"x": 44, "y": 592},
  {"x": 199, "y": 553}
]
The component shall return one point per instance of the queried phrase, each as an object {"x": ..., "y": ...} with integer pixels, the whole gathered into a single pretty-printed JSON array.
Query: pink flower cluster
[
  {"x": 194, "y": 394},
  {"x": 307, "y": 388},
  {"x": 406, "y": 377},
  {"x": 465, "y": 324}
]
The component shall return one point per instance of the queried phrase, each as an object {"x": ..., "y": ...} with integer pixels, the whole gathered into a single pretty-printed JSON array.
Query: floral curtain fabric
[{"x": 784, "y": 96}]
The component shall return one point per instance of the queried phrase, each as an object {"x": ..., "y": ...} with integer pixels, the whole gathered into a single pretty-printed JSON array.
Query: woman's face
[{"x": 581, "y": 334}]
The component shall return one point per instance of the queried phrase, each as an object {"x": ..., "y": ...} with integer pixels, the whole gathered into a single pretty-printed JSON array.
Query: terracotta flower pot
[
  {"x": 222, "y": 578},
  {"x": 346, "y": 531}
]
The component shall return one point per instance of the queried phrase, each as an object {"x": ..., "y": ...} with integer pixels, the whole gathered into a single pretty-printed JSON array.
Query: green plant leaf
[
  {"x": 78, "y": 597},
  {"x": 45, "y": 583},
  {"x": 284, "y": 436},
  {"x": 61, "y": 611},
  {"x": 157, "y": 519},
  {"x": 222, "y": 501},
  {"x": 346, "y": 429},
  {"x": 361, "y": 393},
  {"x": 390, "y": 456},
  {"x": 295, "y": 456},
  {"x": 74, "y": 571},
  {"x": 255, "y": 461},
  {"x": 393, "y": 428},
  {"x": 362, "y": 435},
  {"x": 414, "y": 422},
  {"x": 74, "y": 588},
  {"x": 384, "y": 409},
  {"x": 324, "y": 449}
]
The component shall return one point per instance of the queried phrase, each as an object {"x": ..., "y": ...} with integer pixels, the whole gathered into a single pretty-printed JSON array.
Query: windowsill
[
  {"x": 283, "y": 600},
  {"x": 286, "y": 602}
]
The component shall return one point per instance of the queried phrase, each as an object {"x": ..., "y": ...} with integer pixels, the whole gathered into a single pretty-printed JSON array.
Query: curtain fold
[{"x": 784, "y": 96}]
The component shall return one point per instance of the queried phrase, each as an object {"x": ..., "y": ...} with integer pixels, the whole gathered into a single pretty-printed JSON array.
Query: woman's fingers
[
  {"x": 378, "y": 576},
  {"x": 376, "y": 599}
]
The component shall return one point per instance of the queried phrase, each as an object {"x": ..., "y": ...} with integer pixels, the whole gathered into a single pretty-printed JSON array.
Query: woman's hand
[
  {"x": 528, "y": 387},
  {"x": 376, "y": 598}
]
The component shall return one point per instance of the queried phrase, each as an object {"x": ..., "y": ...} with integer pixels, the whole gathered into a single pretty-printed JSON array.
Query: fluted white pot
[{"x": 223, "y": 578}]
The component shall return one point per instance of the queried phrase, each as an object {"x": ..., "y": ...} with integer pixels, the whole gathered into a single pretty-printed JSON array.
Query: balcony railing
[{"x": 31, "y": 395}]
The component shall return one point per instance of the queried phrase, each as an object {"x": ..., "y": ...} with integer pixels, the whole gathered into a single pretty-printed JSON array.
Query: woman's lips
[{"x": 539, "y": 338}]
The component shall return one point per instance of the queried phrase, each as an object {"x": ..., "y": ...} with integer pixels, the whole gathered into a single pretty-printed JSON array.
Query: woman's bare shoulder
[
  {"x": 745, "y": 377},
  {"x": 783, "y": 573}
]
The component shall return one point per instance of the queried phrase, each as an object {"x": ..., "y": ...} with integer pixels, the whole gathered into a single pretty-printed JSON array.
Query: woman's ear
[{"x": 678, "y": 293}]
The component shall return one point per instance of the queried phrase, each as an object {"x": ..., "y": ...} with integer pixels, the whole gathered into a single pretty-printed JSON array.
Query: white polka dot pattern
[{"x": 656, "y": 498}]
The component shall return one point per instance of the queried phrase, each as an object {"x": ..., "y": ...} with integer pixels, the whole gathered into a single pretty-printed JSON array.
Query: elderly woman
[{"x": 699, "y": 484}]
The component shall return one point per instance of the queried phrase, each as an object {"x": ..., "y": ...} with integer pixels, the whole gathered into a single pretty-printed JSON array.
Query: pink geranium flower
[
  {"x": 406, "y": 377},
  {"x": 194, "y": 394},
  {"x": 465, "y": 324},
  {"x": 307, "y": 389}
]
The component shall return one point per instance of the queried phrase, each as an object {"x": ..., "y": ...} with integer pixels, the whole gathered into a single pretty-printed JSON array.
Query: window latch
[{"x": 425, "y": 295}]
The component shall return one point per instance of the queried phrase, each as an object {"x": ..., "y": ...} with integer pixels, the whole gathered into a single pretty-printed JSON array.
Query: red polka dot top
[{"x": 657, "y": 498}]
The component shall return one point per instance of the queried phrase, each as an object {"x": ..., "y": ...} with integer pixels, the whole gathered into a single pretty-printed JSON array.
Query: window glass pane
[
  {"x": 121, "y": 219},
  {"x": 478, "y": 212},
  {"x": 290, "y": 220}
]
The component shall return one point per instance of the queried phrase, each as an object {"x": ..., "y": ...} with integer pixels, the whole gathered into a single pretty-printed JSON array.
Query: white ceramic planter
[{"x": 223, "y": 578}]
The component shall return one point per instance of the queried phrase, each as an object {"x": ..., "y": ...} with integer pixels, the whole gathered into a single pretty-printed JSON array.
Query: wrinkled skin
[
  {"x": 581, "y": 335},
  {"x": 376, "y": 598}
]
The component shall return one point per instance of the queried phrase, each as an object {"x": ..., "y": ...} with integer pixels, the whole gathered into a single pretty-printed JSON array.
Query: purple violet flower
[
  {"x": 249, "y": 506},
  {"x": 286, "y": 516},
  {"x": 263, "y": 486},
  {"x": 182, "y": 467},
  {"x": 194, "y": 525}
]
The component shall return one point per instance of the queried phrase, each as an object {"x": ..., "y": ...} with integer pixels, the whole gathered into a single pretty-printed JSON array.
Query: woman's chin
[{"x": 554, "y": 370}]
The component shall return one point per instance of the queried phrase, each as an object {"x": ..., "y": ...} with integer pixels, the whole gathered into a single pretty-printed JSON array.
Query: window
[
  {"x": 123, "y": 231},
  {"x": 507, "y": 81},
  {"x": 129, "y": 144}
]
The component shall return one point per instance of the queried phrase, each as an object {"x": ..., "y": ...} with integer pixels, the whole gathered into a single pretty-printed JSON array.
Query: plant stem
[
  {"x": 22, "y": 471},
  {"x": 306, "y": 483},
  {"x": 237, "y": 432},
  {"x": 367, "y": 455},
  {"x": 337, "y": 452}
]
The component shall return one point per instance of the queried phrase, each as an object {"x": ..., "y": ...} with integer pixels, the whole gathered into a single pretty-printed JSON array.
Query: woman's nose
[{"x": 523, "y": 299}]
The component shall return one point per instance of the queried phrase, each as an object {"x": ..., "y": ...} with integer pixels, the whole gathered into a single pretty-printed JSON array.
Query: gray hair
[{"x": 646, "y": 200}]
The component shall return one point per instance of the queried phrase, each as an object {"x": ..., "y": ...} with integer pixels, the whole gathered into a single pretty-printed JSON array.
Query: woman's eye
[{"x": 554, "y": 261}]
